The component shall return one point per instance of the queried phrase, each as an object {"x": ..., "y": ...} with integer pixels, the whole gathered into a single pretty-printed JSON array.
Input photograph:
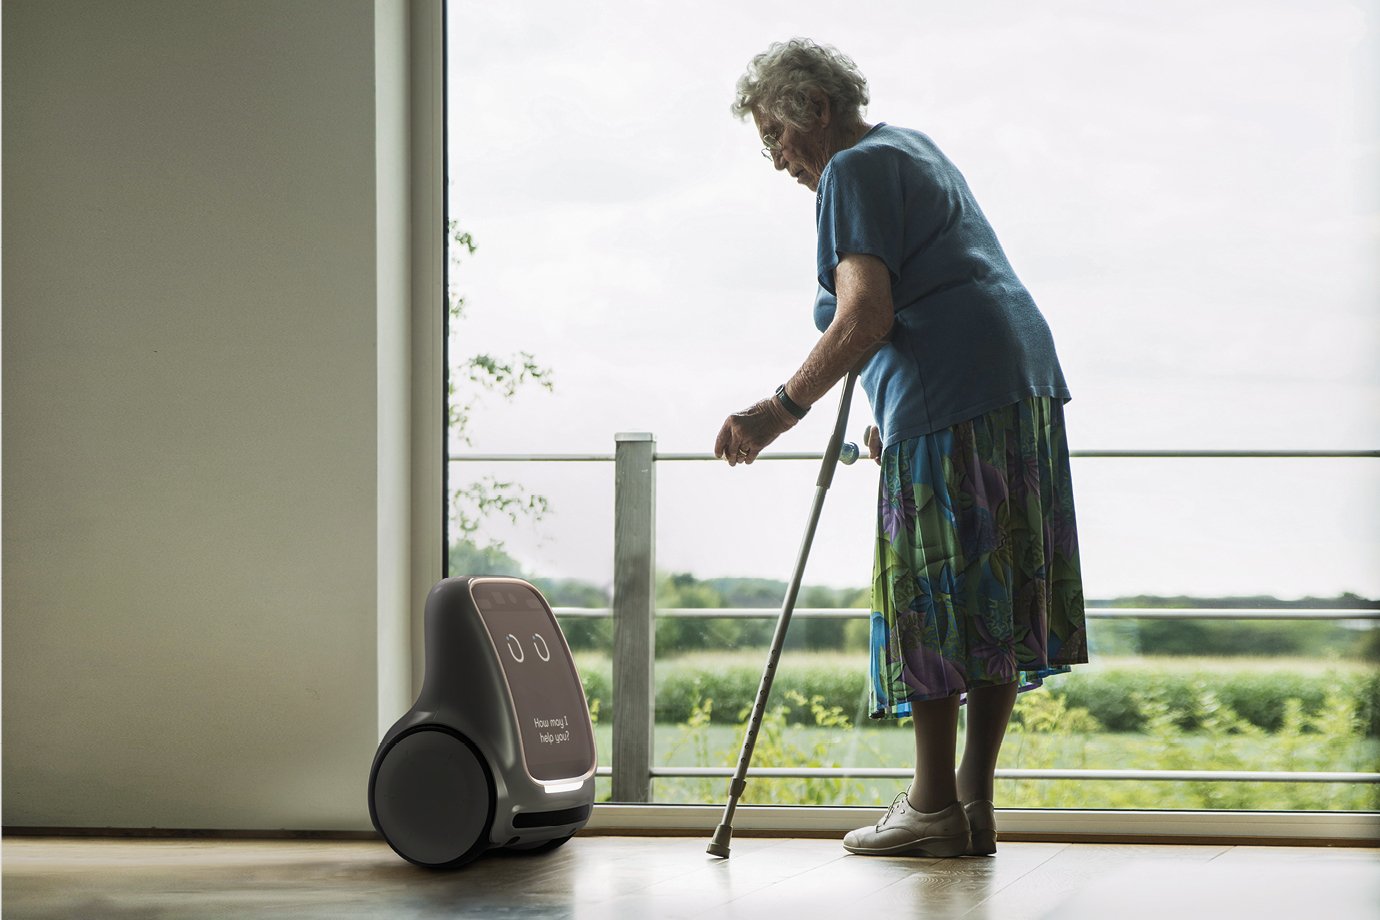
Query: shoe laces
[{"x": 896, "y": 806}]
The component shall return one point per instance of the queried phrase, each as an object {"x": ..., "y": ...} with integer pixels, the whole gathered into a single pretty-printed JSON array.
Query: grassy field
[
  {"x": 1043, "y": 736},
  {"x": 718, "y": 745}
]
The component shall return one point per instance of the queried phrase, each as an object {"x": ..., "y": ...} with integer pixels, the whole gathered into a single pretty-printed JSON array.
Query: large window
[{"x": 1190, "y": 193}]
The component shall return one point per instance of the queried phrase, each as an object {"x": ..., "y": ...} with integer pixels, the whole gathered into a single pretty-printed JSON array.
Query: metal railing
[
  {"x": 475, "y": 457},
  {"x": 1092, "y": 611},
  {"x": 634, "y": 612}
]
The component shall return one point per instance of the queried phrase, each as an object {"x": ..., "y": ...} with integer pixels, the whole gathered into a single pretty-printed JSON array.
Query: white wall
[{"x": 207, "y": 440}]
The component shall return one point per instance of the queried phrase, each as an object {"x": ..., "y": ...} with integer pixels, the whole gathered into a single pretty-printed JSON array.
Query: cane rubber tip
[{"x": 719, "y": 845}]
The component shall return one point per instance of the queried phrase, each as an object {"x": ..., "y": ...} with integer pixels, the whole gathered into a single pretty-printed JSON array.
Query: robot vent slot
[{"x": 551, "y": 818}]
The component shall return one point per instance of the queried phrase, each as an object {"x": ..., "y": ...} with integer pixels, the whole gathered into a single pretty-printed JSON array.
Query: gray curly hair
[{"x": 777, "y": 83}]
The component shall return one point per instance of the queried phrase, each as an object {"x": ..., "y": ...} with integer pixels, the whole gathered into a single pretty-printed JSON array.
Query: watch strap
[{"x": 791, "y": 405}]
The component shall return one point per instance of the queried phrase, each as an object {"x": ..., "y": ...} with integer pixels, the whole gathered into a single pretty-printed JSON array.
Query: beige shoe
[
  {"x": 903, "y": 831},
  {"x": 982, "y": 821}
]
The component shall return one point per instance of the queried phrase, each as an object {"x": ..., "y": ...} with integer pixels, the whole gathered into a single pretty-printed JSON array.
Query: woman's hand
[
  {"x": 873, "y": 437},
  {"x": 744, "y": 434}
]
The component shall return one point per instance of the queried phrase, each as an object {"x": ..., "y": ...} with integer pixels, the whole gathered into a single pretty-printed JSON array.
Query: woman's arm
[{"x": 861, "y": 322}]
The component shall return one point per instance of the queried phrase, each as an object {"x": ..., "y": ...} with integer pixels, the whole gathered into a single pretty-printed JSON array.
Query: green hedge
[
  {"x": 1113, "y": 696},
  {"x": 733, "y": 690},
  {"x": 594, "y": 674}
]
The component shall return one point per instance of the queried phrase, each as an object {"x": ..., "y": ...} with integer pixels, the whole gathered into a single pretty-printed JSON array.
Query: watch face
[{"x": 545, "y": 688}]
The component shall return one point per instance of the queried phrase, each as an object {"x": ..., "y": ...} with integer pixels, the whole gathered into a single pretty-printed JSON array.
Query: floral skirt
[{"x": 976, "y": 579}]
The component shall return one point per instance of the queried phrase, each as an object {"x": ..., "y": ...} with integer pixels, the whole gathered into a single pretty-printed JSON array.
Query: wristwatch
[{"x": 791, "y": 406}]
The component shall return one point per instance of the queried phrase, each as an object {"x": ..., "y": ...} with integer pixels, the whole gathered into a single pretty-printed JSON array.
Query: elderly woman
[{"x": 976, "y": 589}]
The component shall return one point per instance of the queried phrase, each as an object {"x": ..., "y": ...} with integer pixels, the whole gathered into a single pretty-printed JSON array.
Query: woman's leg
[
  {"x": 936, "y": 731},
  {"x": 989, "y": 709}
]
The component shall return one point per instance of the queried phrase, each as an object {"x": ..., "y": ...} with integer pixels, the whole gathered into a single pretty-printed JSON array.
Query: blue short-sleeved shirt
[{"x": 967, "y": 337}]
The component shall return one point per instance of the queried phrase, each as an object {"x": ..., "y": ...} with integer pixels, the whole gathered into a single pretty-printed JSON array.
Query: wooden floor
[{"x": 647, "y": 878}]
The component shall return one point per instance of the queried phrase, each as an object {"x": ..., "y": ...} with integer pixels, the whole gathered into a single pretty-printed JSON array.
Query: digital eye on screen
[{"x": 515, "y": 647}]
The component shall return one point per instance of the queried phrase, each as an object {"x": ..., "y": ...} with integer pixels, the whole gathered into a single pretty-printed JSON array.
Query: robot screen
[{"x": 546, "y": 690}]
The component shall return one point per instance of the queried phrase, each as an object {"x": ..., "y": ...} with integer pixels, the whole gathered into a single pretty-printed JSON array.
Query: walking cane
[{"x": 833, "y": 454}]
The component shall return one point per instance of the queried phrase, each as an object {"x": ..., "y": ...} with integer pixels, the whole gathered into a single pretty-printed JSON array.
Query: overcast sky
[{"x": 1190, "y": 191}]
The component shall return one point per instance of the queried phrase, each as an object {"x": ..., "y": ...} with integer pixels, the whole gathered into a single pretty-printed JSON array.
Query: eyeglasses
[{"x": 773, "y": 146}]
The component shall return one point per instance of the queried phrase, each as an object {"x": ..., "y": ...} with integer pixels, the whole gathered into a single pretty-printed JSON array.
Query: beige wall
[{"x": 207, "y": 383}]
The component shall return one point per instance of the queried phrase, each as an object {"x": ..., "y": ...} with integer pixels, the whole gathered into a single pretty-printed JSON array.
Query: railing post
[{"x": 634, "y": 604}]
